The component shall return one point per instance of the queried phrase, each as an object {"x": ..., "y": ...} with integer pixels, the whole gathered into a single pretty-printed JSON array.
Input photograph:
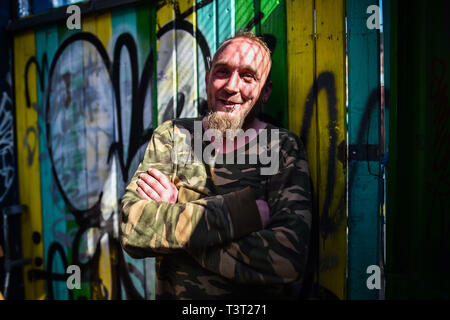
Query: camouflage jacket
[{"x": 211, "y": 244}]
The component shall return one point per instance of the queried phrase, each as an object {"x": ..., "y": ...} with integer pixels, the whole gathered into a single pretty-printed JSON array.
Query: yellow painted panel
[
  {"x": 300, "y": 57},
  {"x": 184, "y": 5},
  {"x": 28, "y": 160},
  {"x": 301, "y": 66},
  {"x": 301, "y": 77},
  {"x": 164, "y": 15},
  {"x": 100, "y": 25},
  {"x": 330, "y": 57}
]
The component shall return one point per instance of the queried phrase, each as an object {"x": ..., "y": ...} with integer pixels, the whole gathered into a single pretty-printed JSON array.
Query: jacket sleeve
[
  {"x": 149, "y": 228},
  {"x": 278, "y": 253}
]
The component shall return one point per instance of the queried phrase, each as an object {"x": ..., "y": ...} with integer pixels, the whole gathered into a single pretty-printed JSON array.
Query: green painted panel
[
  {"x": 274, "y": 25},
  {"x": 245, "y": 12}
]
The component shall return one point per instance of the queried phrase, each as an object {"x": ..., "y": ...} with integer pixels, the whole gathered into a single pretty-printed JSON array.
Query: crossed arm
[
  {"x": 154, "y": 185},
  {"x": 232, "y": 244}
]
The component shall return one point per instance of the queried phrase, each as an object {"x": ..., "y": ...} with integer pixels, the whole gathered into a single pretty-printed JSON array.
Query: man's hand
[{"x": 154, "y": 185}]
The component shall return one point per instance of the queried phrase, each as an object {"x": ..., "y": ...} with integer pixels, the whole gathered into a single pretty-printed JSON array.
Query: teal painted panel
[
  {"x": 215, "y": 23},
  {"x": 135, "y": 24},
  {"x": 363, "y": 129},
  {"x": 124, "y": 21},
  {"x": 206, "y": 25},
  {"x": 205, "y": 30},
  {"x": 54, "y": 212},
  {"x": 225, "y": 23},
  {"x": 387, "y": 66}
]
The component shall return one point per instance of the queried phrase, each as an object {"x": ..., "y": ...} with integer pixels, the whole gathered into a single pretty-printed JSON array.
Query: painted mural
[{"x": 87, "y": 102}]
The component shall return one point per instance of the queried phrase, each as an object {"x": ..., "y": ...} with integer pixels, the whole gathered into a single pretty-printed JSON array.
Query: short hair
[{"x": 246, "y": 35}]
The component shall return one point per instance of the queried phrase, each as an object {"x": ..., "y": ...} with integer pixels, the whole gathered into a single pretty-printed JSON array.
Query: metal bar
[{"x": 37, "y": 274}]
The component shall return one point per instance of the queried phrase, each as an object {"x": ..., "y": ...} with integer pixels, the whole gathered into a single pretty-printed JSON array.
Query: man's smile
[{"x": 228, "y": 105}]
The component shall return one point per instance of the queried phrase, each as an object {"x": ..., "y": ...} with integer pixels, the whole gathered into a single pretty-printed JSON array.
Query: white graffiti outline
[{"x": 6, "y": 145}]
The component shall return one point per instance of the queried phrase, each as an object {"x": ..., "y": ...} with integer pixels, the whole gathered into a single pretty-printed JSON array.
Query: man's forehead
[{"x": 245, "y": 50}]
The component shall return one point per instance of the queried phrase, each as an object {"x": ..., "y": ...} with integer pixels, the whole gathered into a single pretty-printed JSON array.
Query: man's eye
[
  {"x": 221, "y": 72},
  {"x": 247, "y": 76}
]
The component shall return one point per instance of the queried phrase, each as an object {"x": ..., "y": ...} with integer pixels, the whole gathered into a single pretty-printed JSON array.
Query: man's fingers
[
  {"x": 158, "y": 175},
  {"x": 152, "y": 182},
  {"x": 142, "y": 194},
  {"x": 148, "y": 191}
]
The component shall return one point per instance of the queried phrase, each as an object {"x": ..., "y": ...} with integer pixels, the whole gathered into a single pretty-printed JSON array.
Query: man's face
[{"x": 235, "y": 83}]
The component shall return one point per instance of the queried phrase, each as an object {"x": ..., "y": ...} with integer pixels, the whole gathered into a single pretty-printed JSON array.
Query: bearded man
[{"x": 221, "y": 229}]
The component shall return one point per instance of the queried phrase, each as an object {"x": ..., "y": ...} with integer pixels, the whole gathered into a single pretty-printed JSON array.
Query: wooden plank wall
[
  {"x": 316, "y": 91},
  {"x": 364, "y": 130},
  {"x": 28, "y": 164},
  {"x": 128, "y": 70},
  {"x": 9, "y": 192}
]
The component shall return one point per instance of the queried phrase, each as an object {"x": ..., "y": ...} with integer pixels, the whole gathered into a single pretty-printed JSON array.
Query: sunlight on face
[{"x": 235, "y": 82}]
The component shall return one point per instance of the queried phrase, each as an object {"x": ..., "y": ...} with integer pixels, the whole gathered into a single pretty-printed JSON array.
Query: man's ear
[{"x": 267, "y": 90}]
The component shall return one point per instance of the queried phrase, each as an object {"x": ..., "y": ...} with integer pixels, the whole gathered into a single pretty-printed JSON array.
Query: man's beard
[{"x": 229, "y": 125}]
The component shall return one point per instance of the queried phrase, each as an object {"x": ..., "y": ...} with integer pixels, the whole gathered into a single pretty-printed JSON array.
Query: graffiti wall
[
  {"x": 8, "y": 170},
  {"x": 87, "y": 102}
]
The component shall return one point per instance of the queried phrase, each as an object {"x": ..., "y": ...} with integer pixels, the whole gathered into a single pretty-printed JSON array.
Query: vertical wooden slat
[
  {"x": 68, "y": 135},
  {"x": 300, "y": 68},
  {"x": 153, "y": 42},
  {"x": 385, "y": 123},
  {"x": 28, "y": 160},
  {"x": 395, "y": 282},
  {"x": 98, "y": 142},
  {"x": 166, "y": 64},
  {"x": 145, "y": 44},
  {"x": 123, "y": 22},
  {"x": 54, "y": 213},
  {"x": 386, "y": 67},
  {"x": 216, "y": 22},
  {"x": 206, "y": 25},
  {"x": 225, "y": 20},
  {"x": 245, "y": 12},
  {"x": 274, "y": 25},
  {"x": 302, "y": 104},
  {"x": 363, "y": 90},
  {"x": 331, "y": 132},
  {"x": 186, "y": 48}
]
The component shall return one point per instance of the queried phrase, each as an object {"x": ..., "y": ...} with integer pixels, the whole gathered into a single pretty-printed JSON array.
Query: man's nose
[{"x": 232, "y": 85}]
